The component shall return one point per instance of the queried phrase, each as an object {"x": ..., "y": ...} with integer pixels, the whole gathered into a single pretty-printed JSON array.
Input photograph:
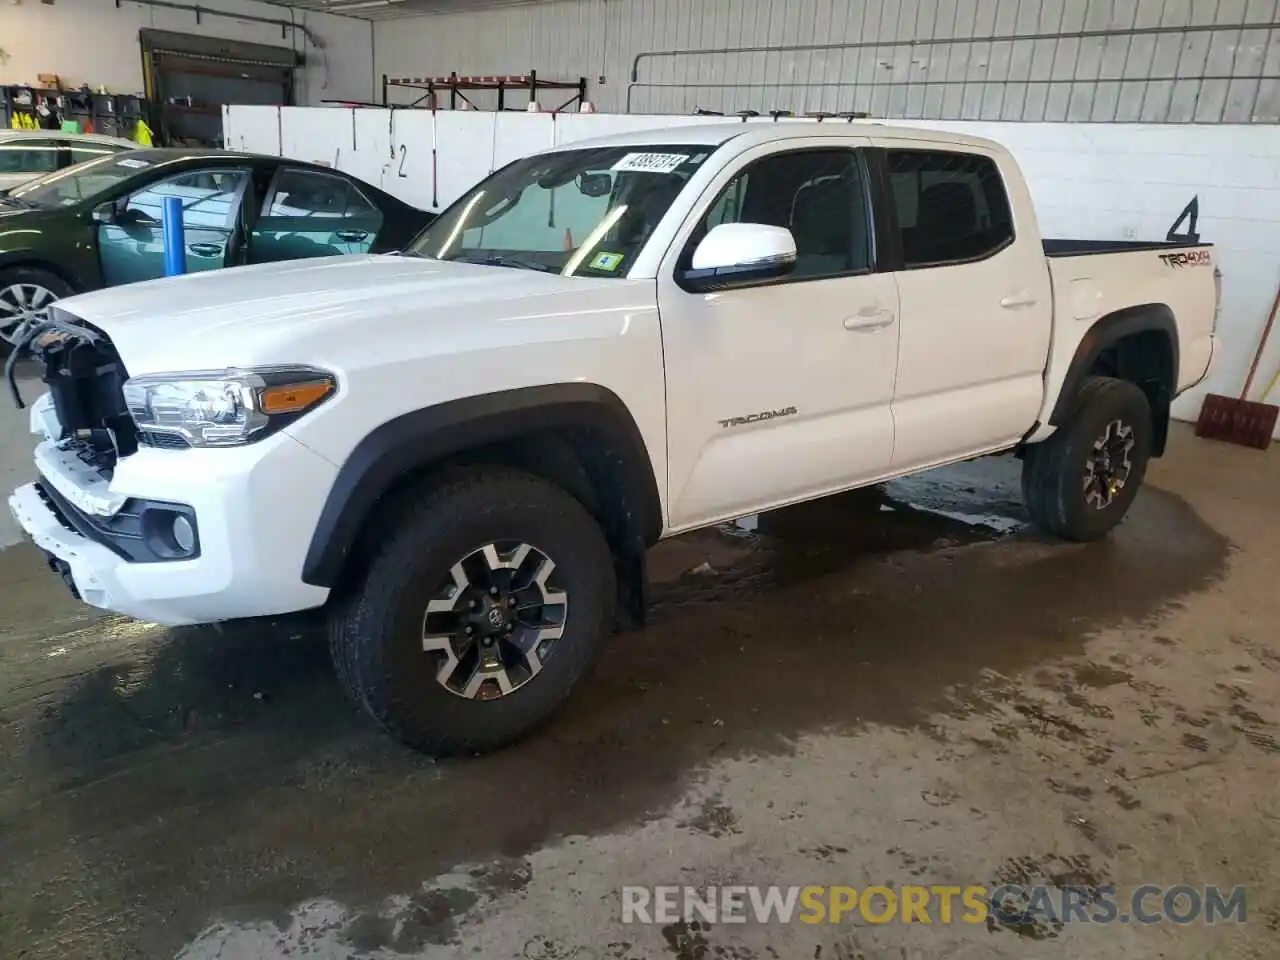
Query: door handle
[
  {"x": 1016, "y": 301},
  {"x": 353, "y": 236},
  {"x": 868, "y": 319},
  {"x": 206, "y": 249}
]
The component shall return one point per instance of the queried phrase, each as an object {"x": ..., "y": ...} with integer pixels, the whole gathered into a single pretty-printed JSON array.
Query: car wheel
[
  {"x": 485, "y": 600},
  {"x": 25, "y": 294},
  {"x": 1080, "y": 483}
]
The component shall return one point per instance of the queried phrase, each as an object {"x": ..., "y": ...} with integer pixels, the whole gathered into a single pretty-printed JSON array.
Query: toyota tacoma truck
[{"x": 463, "y": 450}]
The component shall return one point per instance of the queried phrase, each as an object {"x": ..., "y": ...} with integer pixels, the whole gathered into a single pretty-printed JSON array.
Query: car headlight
[{"x": 223, "y": 409}]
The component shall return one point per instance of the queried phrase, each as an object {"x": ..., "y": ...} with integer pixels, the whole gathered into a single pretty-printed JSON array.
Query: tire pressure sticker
[
  {"x": 650, "y": 162},
  {"x": 1193, "y": 258},
  {"x": 606, "y": 261}
]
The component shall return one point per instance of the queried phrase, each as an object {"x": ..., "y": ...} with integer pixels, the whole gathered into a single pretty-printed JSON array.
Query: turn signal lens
[{"x": 293, "y": 397}]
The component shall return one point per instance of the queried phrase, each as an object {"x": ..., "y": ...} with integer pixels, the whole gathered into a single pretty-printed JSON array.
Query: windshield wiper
[
  {"x": 16, "y": 201},
  {"x": 497, "y": 260}
]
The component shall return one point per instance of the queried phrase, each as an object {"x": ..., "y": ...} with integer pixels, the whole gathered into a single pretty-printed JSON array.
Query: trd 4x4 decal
[{"x": 1193, "y": 258}]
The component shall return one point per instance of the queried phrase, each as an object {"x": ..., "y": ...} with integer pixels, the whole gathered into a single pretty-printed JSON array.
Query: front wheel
[
  {"x": 486, "y": 599},
  {"x": 1080, "y": 483},
  {"x": 26, "y": 293}
]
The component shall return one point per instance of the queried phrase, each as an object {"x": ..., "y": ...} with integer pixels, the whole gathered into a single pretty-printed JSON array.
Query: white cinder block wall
[
  {"x": 1094, "y": 181},
  {"x": 96, "y": 42}
]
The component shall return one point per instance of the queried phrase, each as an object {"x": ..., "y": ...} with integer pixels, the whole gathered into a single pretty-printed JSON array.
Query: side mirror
[
  {"x": 595, "y": 184},
  {"x": 105, "y": 213},
  {"x": 739, "y": 255}
]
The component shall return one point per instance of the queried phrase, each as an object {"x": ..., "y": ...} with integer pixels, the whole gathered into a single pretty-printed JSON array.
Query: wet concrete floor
[{"x": 897, "y": 686}]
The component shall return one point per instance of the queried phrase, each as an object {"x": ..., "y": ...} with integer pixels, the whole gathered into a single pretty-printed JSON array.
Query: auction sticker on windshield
[
  {"x": 650, "y": 162},
  {"x": 133, "y": 163}
]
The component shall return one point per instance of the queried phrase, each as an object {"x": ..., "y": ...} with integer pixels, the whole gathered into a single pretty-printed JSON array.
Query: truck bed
[{"x": 1054, "y": 247}]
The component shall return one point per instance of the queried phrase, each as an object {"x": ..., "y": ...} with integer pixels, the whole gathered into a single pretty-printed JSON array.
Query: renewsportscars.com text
[{"x": 1008, "y": 904}]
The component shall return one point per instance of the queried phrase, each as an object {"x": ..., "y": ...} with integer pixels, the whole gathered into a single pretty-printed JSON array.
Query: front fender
[{"x": 414, "y": 440}]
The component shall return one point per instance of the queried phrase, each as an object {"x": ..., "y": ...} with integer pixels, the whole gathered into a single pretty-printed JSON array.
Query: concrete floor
[{"x": 908, "y": 689}]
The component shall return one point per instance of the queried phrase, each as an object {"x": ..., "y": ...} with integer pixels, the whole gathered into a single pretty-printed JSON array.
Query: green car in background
[{"x": 97, "y": 224}]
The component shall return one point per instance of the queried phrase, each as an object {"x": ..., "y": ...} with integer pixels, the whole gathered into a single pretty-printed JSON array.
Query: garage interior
[{"x": 898, "y": 686}]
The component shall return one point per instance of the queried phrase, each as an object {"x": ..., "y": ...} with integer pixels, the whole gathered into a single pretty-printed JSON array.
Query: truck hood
[{"x": 325, "y": 309}]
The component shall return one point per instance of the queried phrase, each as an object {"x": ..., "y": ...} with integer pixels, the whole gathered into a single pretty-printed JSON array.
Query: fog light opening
[{"x": 184, "y": 535}]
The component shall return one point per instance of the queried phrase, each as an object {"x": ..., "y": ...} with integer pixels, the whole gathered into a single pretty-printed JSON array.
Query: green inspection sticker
[{"x": 606, "y": 261}]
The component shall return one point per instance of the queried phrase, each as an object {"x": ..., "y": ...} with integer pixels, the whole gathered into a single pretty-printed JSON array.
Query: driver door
[
  {"x": 781, "y": 391},
  {"x": 132, "y": 248}
]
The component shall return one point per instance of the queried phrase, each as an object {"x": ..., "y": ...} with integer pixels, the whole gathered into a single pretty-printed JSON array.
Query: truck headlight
[{"x": 226, "y": 408}]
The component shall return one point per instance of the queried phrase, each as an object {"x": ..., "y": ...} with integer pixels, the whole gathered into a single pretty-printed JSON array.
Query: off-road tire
[
  {"x": 375, "y": 634},
  {"x": 1053, "y": 471}
]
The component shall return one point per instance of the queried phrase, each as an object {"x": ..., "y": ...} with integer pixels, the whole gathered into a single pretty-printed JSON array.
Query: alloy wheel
[
  {"x": 495, "y": 620},
  {"x": 20, "y": 302},
  {"x": 1108, "y": 468}
]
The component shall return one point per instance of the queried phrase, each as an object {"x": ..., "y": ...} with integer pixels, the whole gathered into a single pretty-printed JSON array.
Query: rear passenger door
[
  {"x": 975, "y": 301},
  {"x": 309, "y": 213}
]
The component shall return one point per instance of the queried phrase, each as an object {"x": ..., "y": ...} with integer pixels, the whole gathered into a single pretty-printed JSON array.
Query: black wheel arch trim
[
  {"x": 415, "y": 439},
  {"x": 33, "y": 260},
  {"x": 1105, "y": 332}
]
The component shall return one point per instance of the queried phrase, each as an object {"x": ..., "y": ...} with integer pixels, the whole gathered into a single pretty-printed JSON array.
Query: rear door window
[
  {"x": 80, "y": 152},
  {"x": 951, "y": 207}
]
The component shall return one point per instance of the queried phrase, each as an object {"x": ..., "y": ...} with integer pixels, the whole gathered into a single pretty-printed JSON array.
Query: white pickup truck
[{"x": 464, "y": 450}]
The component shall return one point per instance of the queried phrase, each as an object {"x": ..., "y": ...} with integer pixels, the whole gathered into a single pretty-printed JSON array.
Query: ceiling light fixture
[{"x": 362, "y": 5}]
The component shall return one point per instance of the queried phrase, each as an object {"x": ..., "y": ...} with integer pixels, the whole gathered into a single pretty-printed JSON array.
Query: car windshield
[
  {"x": 84, "y": 181},
  {"x": 582, "y": 212}
]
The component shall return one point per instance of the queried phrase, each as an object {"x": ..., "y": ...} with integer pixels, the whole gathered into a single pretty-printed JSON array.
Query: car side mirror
[
  {"x": 739, "y": 255},
  {"x": 105, "y": 213}
]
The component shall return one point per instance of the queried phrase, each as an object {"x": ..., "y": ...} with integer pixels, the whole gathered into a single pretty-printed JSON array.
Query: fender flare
[
  {"x": 1104, "y": 333},
  {"x": 33, "y": 259},
  {"x": 420, "y": 437}
]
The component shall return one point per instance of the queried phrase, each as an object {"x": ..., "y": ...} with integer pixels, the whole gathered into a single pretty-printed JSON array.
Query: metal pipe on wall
[
  {"x": 200, "y": 11},
  {"x": 947, "y": 42}
]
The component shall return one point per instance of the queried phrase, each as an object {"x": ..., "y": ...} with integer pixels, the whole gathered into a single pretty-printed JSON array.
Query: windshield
[
  {"x": 84, "y": 181},
  {"x": 577, "y": 213}
]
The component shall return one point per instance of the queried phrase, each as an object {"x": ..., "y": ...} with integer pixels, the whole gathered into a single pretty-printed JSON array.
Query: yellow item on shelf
[{"x": 142, "y": 134}]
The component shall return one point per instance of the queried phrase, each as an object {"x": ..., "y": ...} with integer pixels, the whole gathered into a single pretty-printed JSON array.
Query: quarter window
[{"x": 952, "y": 207}]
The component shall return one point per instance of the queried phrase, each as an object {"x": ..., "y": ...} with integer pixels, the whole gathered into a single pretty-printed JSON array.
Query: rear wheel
[
  {"x": 26, "y": 294},
  {"x": 486, "y": 599},
  {"x": 1080, "y": 483}
]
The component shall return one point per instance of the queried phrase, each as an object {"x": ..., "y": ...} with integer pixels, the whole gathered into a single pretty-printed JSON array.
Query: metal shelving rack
[
  {"x": 113, "y": 114},
  {"x": 458, "y": 87}
]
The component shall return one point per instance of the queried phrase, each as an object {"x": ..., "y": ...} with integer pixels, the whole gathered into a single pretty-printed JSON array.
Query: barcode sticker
[{"x": 650, "y": 162}]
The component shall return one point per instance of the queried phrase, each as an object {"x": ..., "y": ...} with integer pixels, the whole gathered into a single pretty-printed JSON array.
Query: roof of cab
[
  {"x": 12, "y": 134},
  {"x": 715, "y": 133}
]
